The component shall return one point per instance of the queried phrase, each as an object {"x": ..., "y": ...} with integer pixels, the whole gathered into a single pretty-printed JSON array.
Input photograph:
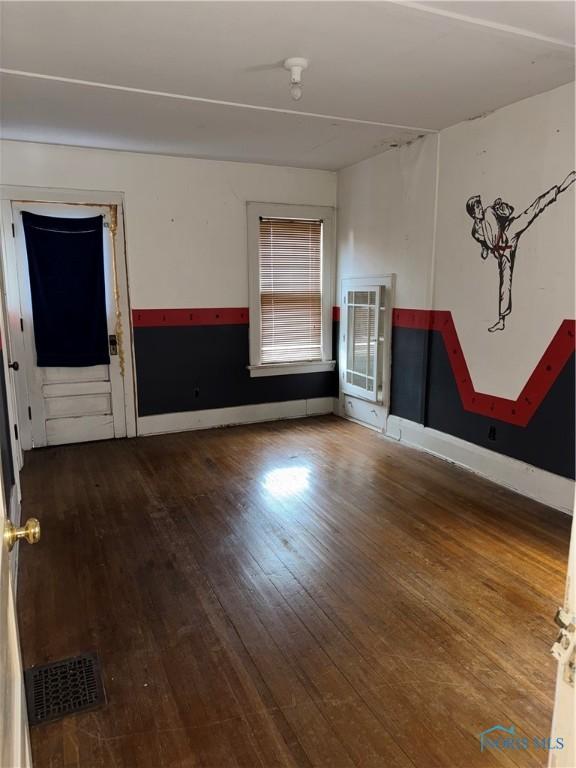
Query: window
[
  {"x": 366, "y": 338},
  {"x": 290, "y": 254},
  {"x": 290, "y": 289}
]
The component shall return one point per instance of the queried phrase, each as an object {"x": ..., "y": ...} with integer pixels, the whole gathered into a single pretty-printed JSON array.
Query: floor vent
[{"x": 63, "y": 688}]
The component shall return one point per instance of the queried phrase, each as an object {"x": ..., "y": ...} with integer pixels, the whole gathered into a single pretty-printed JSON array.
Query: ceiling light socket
[{"x": 296, "y": 65}]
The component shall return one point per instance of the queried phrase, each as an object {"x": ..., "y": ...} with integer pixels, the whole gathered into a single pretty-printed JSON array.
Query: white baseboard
[
  {"x": 545, "y": 487},
  {"x": 226, "y": 417}
]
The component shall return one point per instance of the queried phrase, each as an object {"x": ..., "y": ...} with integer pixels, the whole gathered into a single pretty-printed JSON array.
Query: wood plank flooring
[{"x": 303, "y": 593}]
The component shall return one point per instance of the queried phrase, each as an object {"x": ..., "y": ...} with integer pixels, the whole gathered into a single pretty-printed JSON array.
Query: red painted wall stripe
[
  {"x": 519, "y": 411},
  {"x": 156, "y": 318}
]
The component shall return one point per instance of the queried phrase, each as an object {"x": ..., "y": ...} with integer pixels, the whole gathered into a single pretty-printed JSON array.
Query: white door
[
  {"x": 67, "y": 405},
  {"x": 14, "y": 737},
  {"x": 564, "y": 720}
]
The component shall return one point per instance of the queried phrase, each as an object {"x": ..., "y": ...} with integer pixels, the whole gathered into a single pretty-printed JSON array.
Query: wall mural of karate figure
[{"x": 498, "y": 231}]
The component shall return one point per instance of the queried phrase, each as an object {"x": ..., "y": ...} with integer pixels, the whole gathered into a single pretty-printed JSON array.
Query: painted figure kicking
[{"x": 498, "y": 231}]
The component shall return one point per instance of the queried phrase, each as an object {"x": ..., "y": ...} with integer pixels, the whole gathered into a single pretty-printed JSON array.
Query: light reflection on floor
[{"x": 286, "y": 481}]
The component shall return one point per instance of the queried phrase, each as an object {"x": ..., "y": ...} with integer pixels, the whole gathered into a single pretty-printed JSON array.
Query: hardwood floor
[{"x": 301, "y": 593}]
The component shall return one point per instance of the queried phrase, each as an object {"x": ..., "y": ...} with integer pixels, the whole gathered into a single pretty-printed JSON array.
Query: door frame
[
  {"x": 111, "y": 200},
  {"x": 13, "y": 508}
]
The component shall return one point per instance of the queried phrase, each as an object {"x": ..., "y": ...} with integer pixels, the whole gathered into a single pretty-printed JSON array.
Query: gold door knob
[{"x": 29, "y": 531}]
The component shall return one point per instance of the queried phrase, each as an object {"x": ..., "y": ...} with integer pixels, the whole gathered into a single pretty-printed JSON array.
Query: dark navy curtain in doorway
[{"x": 66, "y": 263}]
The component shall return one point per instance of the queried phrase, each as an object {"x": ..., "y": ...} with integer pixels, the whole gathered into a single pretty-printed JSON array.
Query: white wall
[
  {"x": 387, "y": 223},
  {"x": 185, "y": 218},
  {"x": 386, "y": 214},
  {"x": 516, "y": 153},
  {"x": 404, "y": 212},
  {"x": 386, "y": 220}
]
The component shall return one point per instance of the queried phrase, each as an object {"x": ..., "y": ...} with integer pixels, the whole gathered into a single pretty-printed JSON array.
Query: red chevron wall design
[{"x": 519, "y": 411}]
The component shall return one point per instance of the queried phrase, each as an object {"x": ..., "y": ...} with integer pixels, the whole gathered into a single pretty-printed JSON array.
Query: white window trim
[
  {"x": 256, "y": 210},
  {"x": 388, "y": 282}
]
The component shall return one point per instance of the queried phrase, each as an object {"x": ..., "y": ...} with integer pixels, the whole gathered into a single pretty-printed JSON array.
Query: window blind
[{"x": 290, "y": 254}]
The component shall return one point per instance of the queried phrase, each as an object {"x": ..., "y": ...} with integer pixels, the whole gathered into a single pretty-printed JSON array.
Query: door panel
[
  {"x": 79, "y": 429},
  {"x": 67, "y": 403},
  {"x": 80, "y": 388},
  {"x": 77, "y": 393},
  {"x": 74, "y": 375},
  {"x": 78, "y": 406}
]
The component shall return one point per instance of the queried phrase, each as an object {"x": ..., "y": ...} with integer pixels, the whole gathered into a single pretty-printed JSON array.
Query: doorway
[{"x": 68, "y": 403}]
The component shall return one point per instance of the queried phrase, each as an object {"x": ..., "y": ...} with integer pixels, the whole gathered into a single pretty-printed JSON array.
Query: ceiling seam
[
  {"x": 518, "y": 31},
  {"x": 216, "y": 102}
]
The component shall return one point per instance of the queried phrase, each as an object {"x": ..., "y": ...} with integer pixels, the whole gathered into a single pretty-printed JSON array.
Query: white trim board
[
  {"x": 227, "y": 417},
  {"x": 545, "y": 487}
]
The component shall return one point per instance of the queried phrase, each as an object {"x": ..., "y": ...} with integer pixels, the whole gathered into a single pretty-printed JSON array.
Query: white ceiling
[
  {"x": 403, "y": 68},
  {"x": 547, "y": 19}
]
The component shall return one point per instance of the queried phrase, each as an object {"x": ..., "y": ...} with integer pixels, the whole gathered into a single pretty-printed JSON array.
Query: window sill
[{"x": 285, "y": 369}]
